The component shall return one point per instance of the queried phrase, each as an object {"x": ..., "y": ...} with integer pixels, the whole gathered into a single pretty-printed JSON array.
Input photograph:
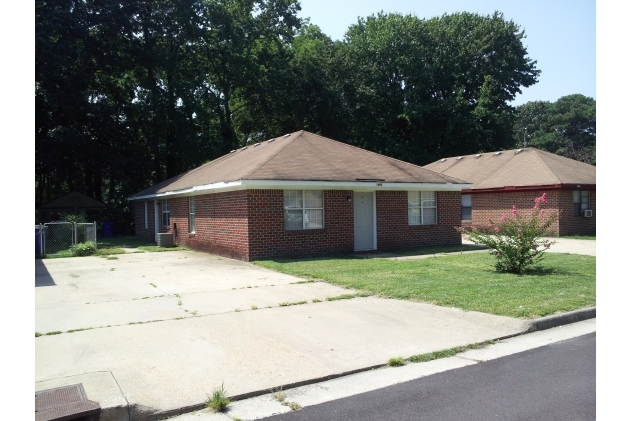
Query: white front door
[
  {"x": 364, "y": 221},
  {"x": 156, "y": 221}
]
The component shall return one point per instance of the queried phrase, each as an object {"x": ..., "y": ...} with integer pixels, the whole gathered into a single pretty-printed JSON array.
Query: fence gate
[{"x": 58, "y": 237}]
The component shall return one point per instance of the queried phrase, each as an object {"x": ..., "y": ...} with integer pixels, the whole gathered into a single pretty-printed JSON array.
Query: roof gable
[{"x": 516, "y": 167}]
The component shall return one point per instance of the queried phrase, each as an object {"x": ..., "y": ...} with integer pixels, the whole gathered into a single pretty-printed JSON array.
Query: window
[
  {"x": 466, "y": 207},
  {"x": 581, "y": 201},
  {"x": 146, "y": 217},
  {"x": 165, "y": 213},
  {"x": 191, "y": 214},
  {"x": 422, "y": 208},
  {"x": 304, "y": 209}
]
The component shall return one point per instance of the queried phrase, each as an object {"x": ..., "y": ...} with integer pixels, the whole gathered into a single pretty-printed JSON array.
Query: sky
[{"x": 560, "y": 34}]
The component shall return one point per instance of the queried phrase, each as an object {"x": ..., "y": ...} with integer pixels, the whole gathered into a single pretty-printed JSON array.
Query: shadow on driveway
[{"x": 42, "y": 277}]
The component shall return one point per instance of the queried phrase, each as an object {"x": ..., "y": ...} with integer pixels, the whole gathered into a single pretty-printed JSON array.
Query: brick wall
[
  {"x": 394, "y": 232},
  {"x": 492, "y": 205},
  {"x": 221, "y": 225},
  {"x": 268, "y": 237},
  {"x": 146, "y": 234},
  {"x": 570, "y": 224}
]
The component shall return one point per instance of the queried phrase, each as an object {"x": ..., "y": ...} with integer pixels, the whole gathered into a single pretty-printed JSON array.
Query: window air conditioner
[{"x": 587, "y": 213}]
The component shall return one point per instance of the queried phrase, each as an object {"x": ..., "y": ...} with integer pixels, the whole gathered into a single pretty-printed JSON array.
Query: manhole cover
[{"x": 64, "y": 403}]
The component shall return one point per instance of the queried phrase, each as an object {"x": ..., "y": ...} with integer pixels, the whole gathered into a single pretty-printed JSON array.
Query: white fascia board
[{"x": 290, "y": 184}]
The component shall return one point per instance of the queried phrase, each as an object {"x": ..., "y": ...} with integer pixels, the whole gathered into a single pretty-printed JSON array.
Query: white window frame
[
  {"x": 146, "y": 216},
  {"x": 191, "y": 214},
  {"x": 166, "y": 213},
  {"x": 421, "y": 206},
  {"x": 304, "y": 210}
]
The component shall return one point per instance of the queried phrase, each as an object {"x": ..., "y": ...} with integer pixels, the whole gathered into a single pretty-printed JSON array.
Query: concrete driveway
[{"x": 151, "y": 334}]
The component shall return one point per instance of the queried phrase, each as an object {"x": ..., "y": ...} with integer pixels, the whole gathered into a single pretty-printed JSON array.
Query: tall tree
[
  {"x": 423, "y": 89},
  {"x": 566, "y": 127}
]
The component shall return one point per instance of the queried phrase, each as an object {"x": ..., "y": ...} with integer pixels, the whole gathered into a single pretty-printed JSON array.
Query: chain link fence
[{"x": 57, "y": 238}]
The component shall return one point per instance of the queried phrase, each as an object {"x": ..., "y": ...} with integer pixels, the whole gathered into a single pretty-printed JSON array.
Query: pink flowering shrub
[{"x": 515, "y": 240}]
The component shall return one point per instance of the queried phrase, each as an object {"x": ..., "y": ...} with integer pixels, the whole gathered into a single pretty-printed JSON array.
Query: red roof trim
[{"x": 511, "y": 189}]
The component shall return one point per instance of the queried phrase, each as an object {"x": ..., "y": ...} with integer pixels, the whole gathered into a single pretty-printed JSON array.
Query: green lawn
[{"x": 560, "y": 283}]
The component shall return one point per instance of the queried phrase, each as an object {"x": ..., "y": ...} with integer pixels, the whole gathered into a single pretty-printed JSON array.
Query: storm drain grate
[{"x": 65, "y": 403}]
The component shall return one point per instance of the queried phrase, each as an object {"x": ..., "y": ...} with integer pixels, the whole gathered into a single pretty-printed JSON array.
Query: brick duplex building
[
  {"x": 515, "y": 177},
  {"x": 302, "y": 195}
]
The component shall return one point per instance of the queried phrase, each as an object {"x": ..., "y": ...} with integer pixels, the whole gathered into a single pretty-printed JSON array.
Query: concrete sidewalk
[
  {"x": 564, "y": 245},
  {"x": 141, "y": 363}
]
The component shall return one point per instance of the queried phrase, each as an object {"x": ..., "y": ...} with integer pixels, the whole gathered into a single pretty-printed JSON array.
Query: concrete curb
[{"x": 563, "y": 319}]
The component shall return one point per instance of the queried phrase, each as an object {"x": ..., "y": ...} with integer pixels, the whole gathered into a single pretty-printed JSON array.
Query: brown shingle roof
[
  {"x": 530, "y": 167},
  {"x": 301, "y": 156}
]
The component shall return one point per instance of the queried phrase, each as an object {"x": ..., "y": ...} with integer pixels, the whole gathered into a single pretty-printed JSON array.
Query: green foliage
[
  {"x": 78, "y": 218},
  {"x": 83, "y": 249},
  {"x": 218, "y": 401},
  {"x": 396, "y": 362},
  {"x": 566, "y": 127},
  {"x": 516, "y": 241}
]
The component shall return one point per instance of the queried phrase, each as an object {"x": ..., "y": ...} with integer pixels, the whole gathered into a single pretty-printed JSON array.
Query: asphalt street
[{"x": 553, "y": 382}]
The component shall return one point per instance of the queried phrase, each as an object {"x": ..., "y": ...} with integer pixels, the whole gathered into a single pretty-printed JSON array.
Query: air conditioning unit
[
  {"x": 165, "y": 239},
  {"x": 587, "y": 213}
]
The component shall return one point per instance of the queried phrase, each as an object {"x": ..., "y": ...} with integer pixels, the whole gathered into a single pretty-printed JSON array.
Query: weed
[
  {"x": 179, "y": 303},
  {"x": 37, "y": 334},
  {"x": 111, "y": 258},
  {"x": 194, "y": 312},
  {"x": 396, "y": 362},
  {"x": 295, "y": 303},
  {"x": 179, "y": 318},
  {"x": 237, "y": 310},
  {"x": 177, "y": 295},
  {"x": 293, "y": 405},
  {"x": 153, "y": 285},
  {"x": 54, "y": 332},
  {"x": 218, "y": 401},
  {"x": 254, "y": 307},
  {"x": 446, "y": 353},
  {"x": 316, "y": 300},
  {"x": 79, "y": 330},
  {"x": 304, "y": 282},
  {"x": 186, "y": 311},
  {"x": 249, "y": 286},
  {"x": 284, "y": 304},
  {"x": 112, "y": 269},
  {"x": 278, "y": 394},
  {"x": 341, "y": 297}
]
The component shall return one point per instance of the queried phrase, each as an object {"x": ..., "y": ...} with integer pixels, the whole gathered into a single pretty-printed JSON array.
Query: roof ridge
[
  {"x": 387, "y": 157},
  {"x": 282, "y": 148}
]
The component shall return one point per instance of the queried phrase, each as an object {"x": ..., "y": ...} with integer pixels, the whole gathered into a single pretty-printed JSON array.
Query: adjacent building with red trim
[
  {"x": 515, "y": 177},
  {"x": 302, "y": 195}
]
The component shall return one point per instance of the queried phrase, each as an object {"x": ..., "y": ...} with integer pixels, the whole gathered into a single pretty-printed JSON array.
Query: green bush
[
  {"x": 515, "y": 241},
  {"x": 83, "y": 249}
]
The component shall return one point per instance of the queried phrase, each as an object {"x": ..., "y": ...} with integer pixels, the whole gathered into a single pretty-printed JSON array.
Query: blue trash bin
[
  {"x": 108, "y": 229},
  {"x": 38, "y": 246}
]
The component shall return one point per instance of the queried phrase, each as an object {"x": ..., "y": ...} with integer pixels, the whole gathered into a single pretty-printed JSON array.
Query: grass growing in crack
[
  {"x": 295, "y": 303},
  {"x": 310, "y": 281},
  {"x": 112, "y": 269},
  {"x": 278, "y": 394},
  {"x": 316, "y": 300},
  {"x": 237, "y": 310},
  {"x": 111, "y": 258},
  {"x": 153, "y": 285},
  {"x": 194, "y": 312},
  {"x": 396, "y": 362},
  {"x": 179, "y": 303},
  {"x": 79, "y": 330},
  {"x": 218, "y": 401},
  {"x": 293, "y": 405},
  {"x": 37, "y": 334},
  {"x": 254, "y": 307},
  {"x": 446, "y": 353},
  {"x": 347, "y": 296},
  {"x": 54, "y": 332}
]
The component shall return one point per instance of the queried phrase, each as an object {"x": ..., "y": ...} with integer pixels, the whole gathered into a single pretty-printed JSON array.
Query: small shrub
[
  {"x": 83, "y": 249},
  {"x": 293, "y": 405},
  {"x": 218, "y": 401},
  {"x": 515, "y": 241},
  {"x": 278, "y": 394}
]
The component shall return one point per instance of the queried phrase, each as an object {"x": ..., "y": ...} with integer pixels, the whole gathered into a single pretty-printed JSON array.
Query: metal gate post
[
  {"x": 94, "y": 224},
  {"x": 74, "y": 237}
]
